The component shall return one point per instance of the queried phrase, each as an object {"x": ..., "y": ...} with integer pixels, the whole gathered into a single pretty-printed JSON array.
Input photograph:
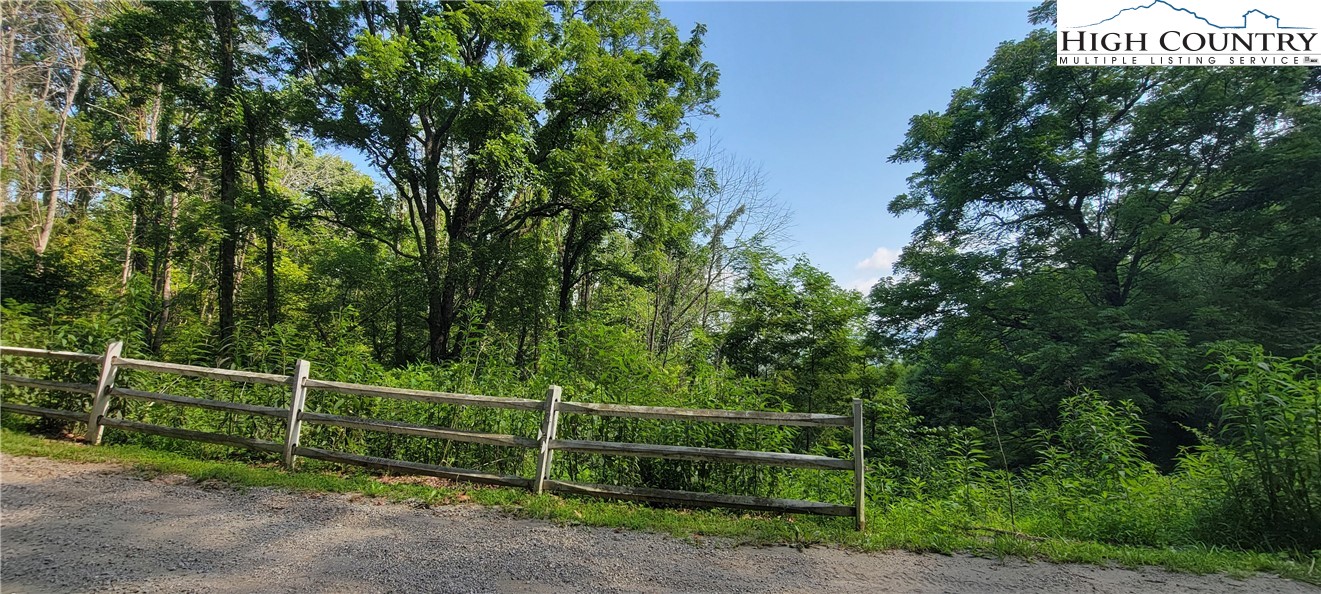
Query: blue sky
[{"x": 819, "y": 94}]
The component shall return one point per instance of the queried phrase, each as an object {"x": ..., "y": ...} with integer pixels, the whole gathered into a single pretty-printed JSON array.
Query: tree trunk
[
  {"x": 437, "y": 329},
  {"x": 399, "y": 356},
  {"x": 53, "y": 190},
  {"x": 450, "y": 348},
  {"x": 161, "y": 270},
  {"x": 128, "y": 254},
  {"x": 520, "y": 353},
  {"x": 8, "y": 55},
  {"x": 1107, "y": 275},
  {"x": 568, "y": 268},
  {"x": 272, "y": 305},
  {"x": 223, "y": 15},
  {"x": 257, "y": 156},
  {"x": 585, "y": 293}
]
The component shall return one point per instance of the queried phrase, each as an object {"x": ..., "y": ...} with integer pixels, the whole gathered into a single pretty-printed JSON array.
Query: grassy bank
[{"x": 895, "y": 528}]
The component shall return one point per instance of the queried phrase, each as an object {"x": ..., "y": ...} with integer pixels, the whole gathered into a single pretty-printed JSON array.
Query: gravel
[{"x": 67, "y": 527}]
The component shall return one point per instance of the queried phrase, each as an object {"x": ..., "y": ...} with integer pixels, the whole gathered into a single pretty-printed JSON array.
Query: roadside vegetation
[
  {"x": 1100, "y": 344},
  {"x": 888, "y": 529}
]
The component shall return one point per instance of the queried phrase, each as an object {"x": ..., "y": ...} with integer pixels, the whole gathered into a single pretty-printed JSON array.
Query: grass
[{"x": 896, "y": 528}]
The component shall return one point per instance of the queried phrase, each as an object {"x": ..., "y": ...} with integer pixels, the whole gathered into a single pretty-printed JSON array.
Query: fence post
[
  {"x": 101, "y": 398},
  {"x": 295, "y": 424},
  {"x": 859, "y": 468},
  {"x": 548, "y": 424}
]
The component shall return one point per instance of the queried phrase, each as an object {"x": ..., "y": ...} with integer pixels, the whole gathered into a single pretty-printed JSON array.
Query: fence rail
[
  {"x": 189, "y": 434},
  {"x": 37, "y": 411},
  {"x": 545, "y": 444},
  {"x": 426, "y": 396},
  {"x": 690, "y": 498},
  {"x": 402, "y": 428},
  {"x": 41, "y": 384},
  {"x": 45, "y": 354},
  {"x": 669, "y": 452},
  {"x": 705, "y": 414},
  {"x": 406, "y": 467},
  {"x": 239, "y": 407},
  {"x": 232, "y": 375}
]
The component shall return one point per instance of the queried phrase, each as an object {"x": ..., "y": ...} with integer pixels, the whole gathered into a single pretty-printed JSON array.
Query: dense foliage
[
  {"x": 1105, "y": 326},
  {"x": 1104, "y": 228}
]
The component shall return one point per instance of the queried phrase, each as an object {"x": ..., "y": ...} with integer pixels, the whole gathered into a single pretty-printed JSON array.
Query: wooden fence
[{"x": 546, "y": 443}]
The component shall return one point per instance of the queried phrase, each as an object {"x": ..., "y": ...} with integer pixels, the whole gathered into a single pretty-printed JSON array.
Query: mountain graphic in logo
[{"x": 1255, "y": 18}]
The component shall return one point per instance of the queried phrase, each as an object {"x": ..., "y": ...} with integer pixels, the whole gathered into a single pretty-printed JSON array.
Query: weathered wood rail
[{"x": 545, "y": 444}]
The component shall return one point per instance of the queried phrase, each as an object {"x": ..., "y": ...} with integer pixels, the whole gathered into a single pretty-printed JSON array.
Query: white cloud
[
  {"x": 876, "y": 266},
  {"x": 881, "y": 259},
  {"x": 863, "y": 285}
]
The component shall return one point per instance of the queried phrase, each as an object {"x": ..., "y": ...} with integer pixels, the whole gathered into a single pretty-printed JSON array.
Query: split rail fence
[{"x": 545, "y": 445}]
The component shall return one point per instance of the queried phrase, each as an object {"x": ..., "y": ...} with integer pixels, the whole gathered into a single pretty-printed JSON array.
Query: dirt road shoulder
[{"x": 71, "y": 527}]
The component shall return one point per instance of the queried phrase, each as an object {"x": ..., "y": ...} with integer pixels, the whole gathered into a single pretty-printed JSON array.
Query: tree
[
  {"x": 441, "y": 98},
  {"x": 184, "y": 111},
  {"x": 1061, "y": 207},
  {"x": 1270, "y": 255},
  {"x": 222, "y": 13},
  {"x": 730, "y": 219},
  {"x": 153, "y": 110},
  {"x": 41, "y": 46},
  {"x": 798, "y": 331}
]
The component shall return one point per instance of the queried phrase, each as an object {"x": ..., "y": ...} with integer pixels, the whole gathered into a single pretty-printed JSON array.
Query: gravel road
[{"x": 68, "y": 527}]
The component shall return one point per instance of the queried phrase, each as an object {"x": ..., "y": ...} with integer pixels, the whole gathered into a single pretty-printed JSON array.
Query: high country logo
[{"x": 1188, "y": 32}]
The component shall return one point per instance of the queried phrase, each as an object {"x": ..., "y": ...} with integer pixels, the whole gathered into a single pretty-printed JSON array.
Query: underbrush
[
  {"x": 1253, "y": 482},
  {"x": 1248, "y": 496}
]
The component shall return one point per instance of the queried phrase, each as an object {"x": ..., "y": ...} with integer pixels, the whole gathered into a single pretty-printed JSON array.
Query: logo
[{"x": 1188, "y": 33}]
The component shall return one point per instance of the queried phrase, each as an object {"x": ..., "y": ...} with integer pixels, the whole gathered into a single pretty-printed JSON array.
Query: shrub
[{"x": 1270, "y": 425}]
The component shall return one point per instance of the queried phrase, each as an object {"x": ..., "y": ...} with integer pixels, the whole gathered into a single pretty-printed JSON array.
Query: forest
[{"x": 1105, "y": 326}]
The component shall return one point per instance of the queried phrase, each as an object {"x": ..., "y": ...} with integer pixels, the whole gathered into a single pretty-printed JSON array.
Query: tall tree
[
  {"x": 1060, "y": 205},
  {"x": 442, "y": 98},
  {"x": 152, "y": 64},
  {"x": 45, "y": 63},
  {"x": 182, "y": 105},
  {"x": 222, "y": 14}
]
